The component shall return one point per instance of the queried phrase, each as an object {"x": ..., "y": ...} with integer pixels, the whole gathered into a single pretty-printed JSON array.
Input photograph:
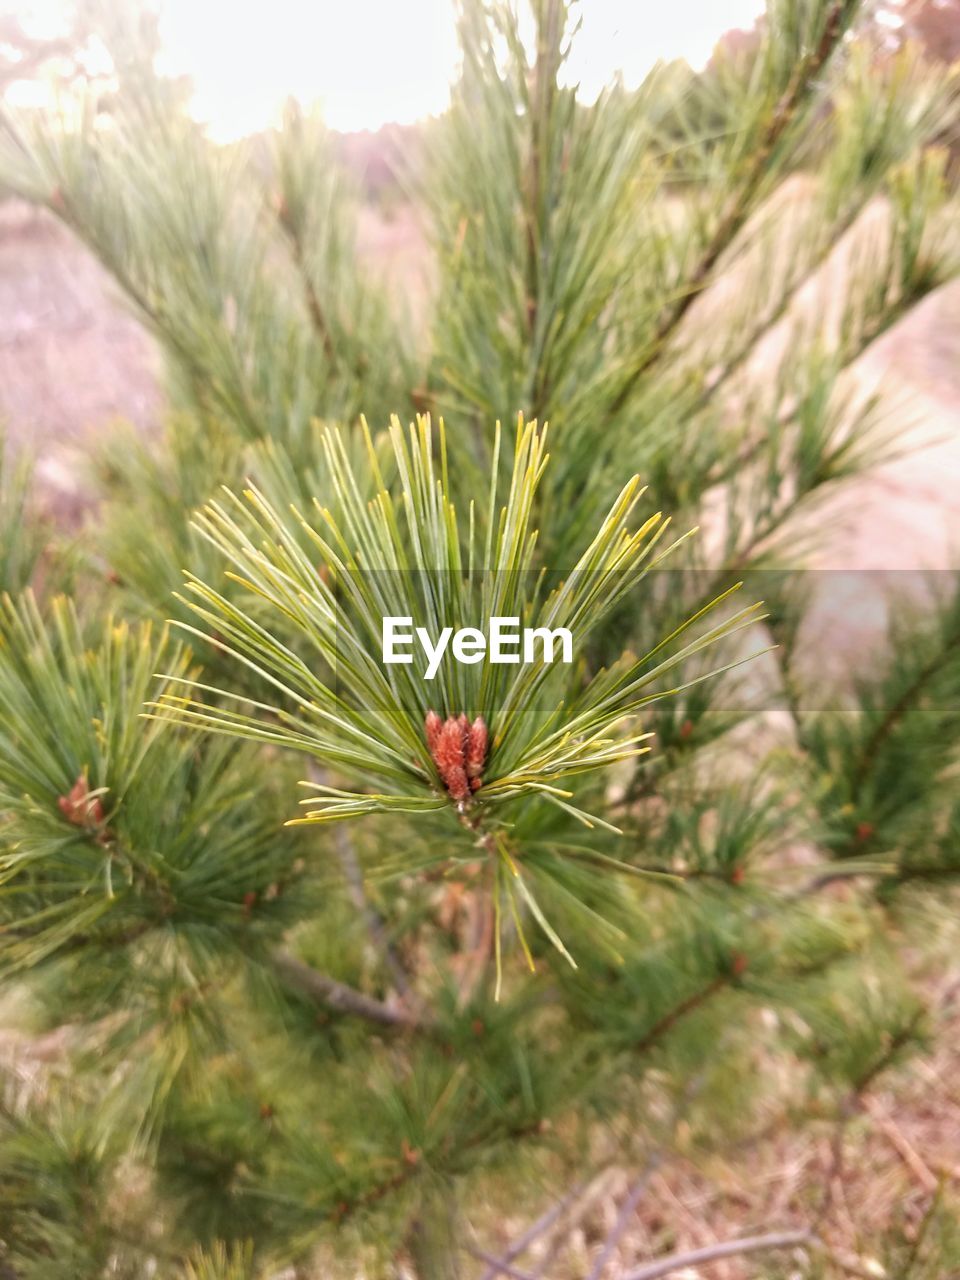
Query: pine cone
[
  {"x": 433, "y": 724},
  {"x": 476, "y": 754},
  {"x": 448, "y": 755},
  {"x": 79, "y": 807},
  {"x": 459, "y": 750}
]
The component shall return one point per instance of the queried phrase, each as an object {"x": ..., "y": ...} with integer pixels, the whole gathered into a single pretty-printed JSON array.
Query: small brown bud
[
  {"x": 450, "y": 759},
  {"x": 411, "y": 1155},
  {"x": 80, "y": 807},
  {"x": 459, "y": 750},
  {"x": 433, "y": 724},
  {"x": 477, "y": 738}
]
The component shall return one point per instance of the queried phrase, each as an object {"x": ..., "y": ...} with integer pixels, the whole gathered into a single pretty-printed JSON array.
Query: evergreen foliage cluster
[{"x": 685, "y": 900}]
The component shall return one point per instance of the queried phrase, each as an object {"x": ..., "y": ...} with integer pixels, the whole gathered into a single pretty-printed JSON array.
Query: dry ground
[{"x": 71, "y": 359}]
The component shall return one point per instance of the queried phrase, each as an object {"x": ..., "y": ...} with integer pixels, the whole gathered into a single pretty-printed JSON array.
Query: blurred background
[{"x": 72, "y": 358}]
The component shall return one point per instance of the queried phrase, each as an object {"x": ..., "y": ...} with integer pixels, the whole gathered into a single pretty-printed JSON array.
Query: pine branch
[
  {"x": 899, "y": 1040},
  {"x": 396, "y": 560},
  {"x": 410, "y": 1169},
  {"x": 741, "y": 205},
  {"x": 549, "y": 14},
  {"x": 902, "y": 705},
  {"x": 674, "y": 1015},
  {"x": 353, "y": 874},
  {"x": 234, "y": 396},
  {"x": 340, "y": 997},
  {"x": 549, "y": 300},
  {"x": 315, "y": 308},
  {"x": 808, "y": 1236}
]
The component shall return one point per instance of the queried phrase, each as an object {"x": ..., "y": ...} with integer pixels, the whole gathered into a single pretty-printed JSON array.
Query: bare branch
[
  {"x": 535, "y": 1230},
  {"x": 901, "y": 1144},
  {"x": 353, "y": 874},
  {"x": 498, "y": 1266},
  {"x": 726, "y": 1249},
  {"x": 338, "y": 996},
  {"x": 315, "y": 309},
  {"x": 627, "y": 1210}
]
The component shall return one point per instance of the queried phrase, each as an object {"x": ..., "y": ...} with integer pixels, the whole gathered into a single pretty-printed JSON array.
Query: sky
[{"x": 368, "y": 62}]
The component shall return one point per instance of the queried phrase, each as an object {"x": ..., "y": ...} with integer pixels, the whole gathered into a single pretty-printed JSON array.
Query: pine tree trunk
[{"x": 433, "y": 1236}]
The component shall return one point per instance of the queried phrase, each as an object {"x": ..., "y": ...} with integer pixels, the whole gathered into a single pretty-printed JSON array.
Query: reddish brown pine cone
[
  {"x": 459, "y": 750},
  {"x": 79, "y": 807},
  {"x": 433, "y": 724},
  {"x": 476, "y": 754},
  {"x": 449, "y": 757}
]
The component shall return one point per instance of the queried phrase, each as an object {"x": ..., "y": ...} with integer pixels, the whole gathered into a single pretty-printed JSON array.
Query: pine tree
[{"x": 530, "y": 921}]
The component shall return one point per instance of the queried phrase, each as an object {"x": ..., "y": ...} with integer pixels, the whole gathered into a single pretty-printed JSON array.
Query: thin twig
[
  {"x": 901, "y": 706},
  {"x": 376, "y": 927},
  {"x": 627, "y": 1210},
  {"x": 742, "y": 202},
  {"x": 338, "y": 996},
  {"x": 544, "y": 88},
  {"x": 726, "y": 1249},
  {"x": 854, "y": 1102},
  {"x": 835, "y": 1167},
  {"x": 924, "y": 1228},
  {"x": 910, "y": 1157},
  {"x": 897, "y": 1042},
  {"x": 498, "y": 1266},
  {"x": 678, "y": 1011},
  {"x": 536, "y": 1229},
  {"x": 353, "y": 874},
  {"x": 318, "y": 317},
  {"x": 562, "y": 1237}
]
